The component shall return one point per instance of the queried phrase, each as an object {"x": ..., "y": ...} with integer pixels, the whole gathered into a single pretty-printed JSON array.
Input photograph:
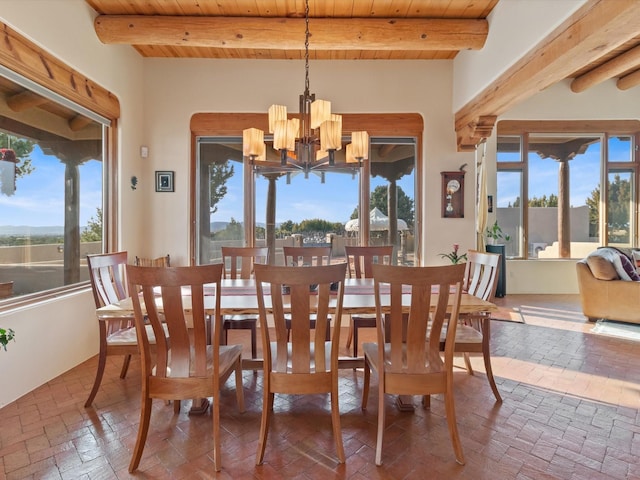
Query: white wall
[
  {"x": 55, "y": 336},
  {"x": 515, "y": 27},
  {"x": 558, "y": 102},
  {"x": 178, "y": 88}
]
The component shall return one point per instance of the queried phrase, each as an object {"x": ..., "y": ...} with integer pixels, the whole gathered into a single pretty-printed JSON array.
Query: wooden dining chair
[
  {"x": 361, "y": 261},
  {"x": 308, "y": 256},
  {"x": 404, "y": 362},
  {"x": 191, "y": 364},
  {"x": 473, "y": 332},
  {"x": 307, "y": 363},
  {"x": 117, "y": 336},
  {"x": 240, "y": 262},
  {"x": 153, "y": 262}
]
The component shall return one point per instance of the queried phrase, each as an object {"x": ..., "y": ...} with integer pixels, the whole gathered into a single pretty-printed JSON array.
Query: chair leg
[
  {"x": 215, "y": 414},
  {"x": 453, "y": 426},
  {"x": 365, "y": 385},
  {"x": 380, "y": 422},
  {"x": 355, "y": 340},
  {"x": 239, "y": 387},
  {"x": 267, "y": 411},
  {"x": 125, "y": 366},
  {"x": 350, "y": 334},
  {"x": 102, "y": 362},
  {"x": 254, "y": 341},
  {"x": 143, "y": 430},
  {"x": 335, "y": 421},
  {"x": 487, "y": 366},
  {"x": 467, "y": 362}
]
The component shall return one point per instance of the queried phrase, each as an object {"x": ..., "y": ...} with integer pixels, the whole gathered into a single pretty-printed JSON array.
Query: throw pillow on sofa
[
  {"x": 621, "y": 262},
  {"x": 601, "y": 268}
]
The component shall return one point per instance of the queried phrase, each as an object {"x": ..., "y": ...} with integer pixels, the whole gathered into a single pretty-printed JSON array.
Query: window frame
[
  {"x": 377, "y": 125},
  {"x": 33, "y": 67},
  {"x": 605, "y": 129}
]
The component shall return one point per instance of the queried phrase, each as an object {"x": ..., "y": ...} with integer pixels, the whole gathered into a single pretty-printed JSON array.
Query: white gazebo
[{"x": 378, "y": 221}]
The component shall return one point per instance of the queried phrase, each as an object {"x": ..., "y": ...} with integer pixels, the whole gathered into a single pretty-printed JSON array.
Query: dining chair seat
[
  {"x": 127, "y": 336},
  {"x": 227, "y": 356},
  {"x": 406, "y": 355}
]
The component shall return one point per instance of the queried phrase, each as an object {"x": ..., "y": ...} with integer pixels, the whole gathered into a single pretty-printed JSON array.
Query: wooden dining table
[{"x": 239, "y": 297}]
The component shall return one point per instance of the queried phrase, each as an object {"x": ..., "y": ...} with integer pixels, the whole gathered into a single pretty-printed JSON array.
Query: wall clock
[{"x": 453, "y": 194}]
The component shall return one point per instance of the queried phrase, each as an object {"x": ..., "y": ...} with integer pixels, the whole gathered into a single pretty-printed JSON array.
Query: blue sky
[
  {"x": 303, "y": 199},
  {"x": 39, "y": 197},
  {"x": 584, "y": 171}
]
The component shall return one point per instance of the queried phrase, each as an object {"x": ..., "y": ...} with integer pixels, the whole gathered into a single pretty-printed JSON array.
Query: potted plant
[
  {"x": 5, "y": 337},
  {"x": 495, "y": 244},
  {"x": 454, "y": 257},
  {"x": 495, "y": 234}
]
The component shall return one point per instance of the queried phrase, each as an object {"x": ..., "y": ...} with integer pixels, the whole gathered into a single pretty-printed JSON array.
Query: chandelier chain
[{"x": 306, "y": 48}]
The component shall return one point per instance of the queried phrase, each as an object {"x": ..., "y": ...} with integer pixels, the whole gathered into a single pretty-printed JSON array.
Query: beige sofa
[{"x": 613, "y": 299}]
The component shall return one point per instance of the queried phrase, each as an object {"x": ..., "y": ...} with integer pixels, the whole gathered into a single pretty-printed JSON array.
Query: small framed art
[{"x": 164, "y": 181}]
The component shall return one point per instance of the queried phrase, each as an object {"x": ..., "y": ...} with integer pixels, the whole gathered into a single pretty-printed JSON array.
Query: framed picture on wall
[{"x": 164, "y": 181}]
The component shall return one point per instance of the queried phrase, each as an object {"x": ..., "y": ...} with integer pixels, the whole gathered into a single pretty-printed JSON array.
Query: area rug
[
  {"x": 630, "y": 331},
  {"x": 508, "y": 314}
]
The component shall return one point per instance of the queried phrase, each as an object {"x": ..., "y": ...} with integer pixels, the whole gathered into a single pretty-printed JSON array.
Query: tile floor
[{"x": 570, "y": 411}]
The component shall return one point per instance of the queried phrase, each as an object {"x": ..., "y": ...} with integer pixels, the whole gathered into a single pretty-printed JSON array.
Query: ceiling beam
[
  {"x": 288, "y": 33},
  {"x": 31, "y": 61},
  {"x": 25, "y": 100},
  {"x": 596, "y": 28},
  {"x": 629, "y": 81},
  {"x": 614, "y": 67}
]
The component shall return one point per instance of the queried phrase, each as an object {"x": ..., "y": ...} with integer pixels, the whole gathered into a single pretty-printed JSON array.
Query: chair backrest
[
  {"x": 153, "y": 262},
  {"x": 432, "y": 302},
  {"x": 305, "y": 287},
  {"x": 162, "y": 292},
  {"x": 481, "y": 274},
  {"x": 361, "y": 259},
  {"x": 107, "y": 275},
  {"x": 242, "y": 259},
  {"x": 306, "y": 256}
]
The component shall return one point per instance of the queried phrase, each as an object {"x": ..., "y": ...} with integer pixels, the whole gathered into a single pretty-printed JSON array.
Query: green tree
[
  {"x": 93, "y": 232},
  {"x": 23, "y": 149},
  {"x": 285, "y": 228},
  {"x": 318, "y": 225},
  {"x": 618, "y": 210},
  {"x": 551, "y": 201},
  {"x": 219, "y": 173},
  {"x": 233, "y": 231},
  {"x": 378, "y": 199}
]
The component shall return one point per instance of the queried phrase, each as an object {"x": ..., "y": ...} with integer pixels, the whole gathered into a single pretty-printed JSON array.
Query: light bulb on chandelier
[{"x": 310, "y": 140}]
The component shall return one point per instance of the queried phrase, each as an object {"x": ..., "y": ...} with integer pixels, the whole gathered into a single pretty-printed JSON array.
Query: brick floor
[{"x": 570, "y": 411}]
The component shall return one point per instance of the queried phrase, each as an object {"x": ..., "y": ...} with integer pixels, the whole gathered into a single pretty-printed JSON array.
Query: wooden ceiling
[
  {"x": 274, "y": 29},
  {"x": 340, "y": 29},
  {"x": 600, "y": 41}
]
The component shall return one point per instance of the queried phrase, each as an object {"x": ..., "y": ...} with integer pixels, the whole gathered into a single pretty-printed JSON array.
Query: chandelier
[{"x": 310, "y": 140}]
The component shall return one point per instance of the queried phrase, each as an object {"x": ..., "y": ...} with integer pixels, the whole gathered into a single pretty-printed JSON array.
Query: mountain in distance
[
  {"x": 30, "y": 230},
  {"x": 26, "y": 230}
]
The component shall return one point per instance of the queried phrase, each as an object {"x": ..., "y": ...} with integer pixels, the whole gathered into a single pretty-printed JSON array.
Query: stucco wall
[{"x": 56, "y": 335}]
